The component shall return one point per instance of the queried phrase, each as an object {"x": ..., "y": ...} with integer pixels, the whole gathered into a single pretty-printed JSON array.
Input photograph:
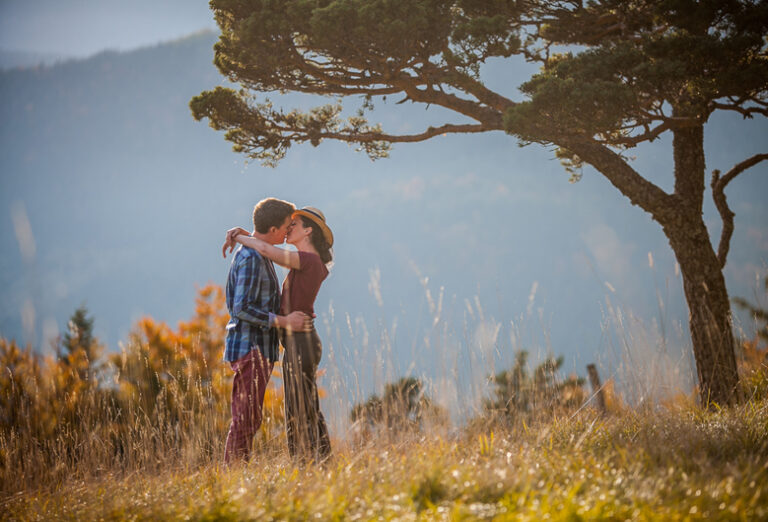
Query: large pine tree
[{"x": 614, "y": 74}]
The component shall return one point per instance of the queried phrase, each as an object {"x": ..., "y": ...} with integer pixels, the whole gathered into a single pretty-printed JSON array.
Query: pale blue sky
[{"x": 76, "y": 28}]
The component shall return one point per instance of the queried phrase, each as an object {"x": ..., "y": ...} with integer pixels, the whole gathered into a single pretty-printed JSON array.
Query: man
[{"x": 253, "y": 301}]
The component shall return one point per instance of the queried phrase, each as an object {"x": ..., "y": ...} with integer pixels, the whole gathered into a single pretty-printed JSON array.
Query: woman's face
[{"x": 297, "y": 231}]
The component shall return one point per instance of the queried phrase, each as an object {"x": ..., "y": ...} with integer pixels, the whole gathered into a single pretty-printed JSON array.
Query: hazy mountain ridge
[
  {"x": 128, "y": 197},
  {"x": 26, "y": 59}
]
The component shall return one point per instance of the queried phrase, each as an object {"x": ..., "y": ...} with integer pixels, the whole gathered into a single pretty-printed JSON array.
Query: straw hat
[{"x": 317, "y": 217}]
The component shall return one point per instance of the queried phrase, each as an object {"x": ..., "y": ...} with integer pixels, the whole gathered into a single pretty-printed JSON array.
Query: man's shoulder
[
  {"x": 246, "y": 259},
  {"x": 244, "y": 253}
]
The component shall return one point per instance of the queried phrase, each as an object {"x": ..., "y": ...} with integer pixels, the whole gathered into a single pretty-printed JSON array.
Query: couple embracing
[{"x": 262, "y": 317}]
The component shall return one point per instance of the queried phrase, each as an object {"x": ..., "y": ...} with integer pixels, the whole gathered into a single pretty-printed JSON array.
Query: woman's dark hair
[{"x": 318, "y": 240}]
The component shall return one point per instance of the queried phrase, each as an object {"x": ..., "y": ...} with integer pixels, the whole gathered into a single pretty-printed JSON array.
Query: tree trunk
[
  {"x": 709, "y": 314},
  {"x": 703, "y": 281},
  {"x": 680, "y": 215}
]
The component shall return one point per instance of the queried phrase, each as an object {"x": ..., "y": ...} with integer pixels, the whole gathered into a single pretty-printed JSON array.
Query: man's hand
[{"x": 297, "y": 322}]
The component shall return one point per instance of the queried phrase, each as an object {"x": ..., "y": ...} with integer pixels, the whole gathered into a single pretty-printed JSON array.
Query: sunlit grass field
[
  {"x": 140, "y": 436},
  {"x": 678, "y": 463}
]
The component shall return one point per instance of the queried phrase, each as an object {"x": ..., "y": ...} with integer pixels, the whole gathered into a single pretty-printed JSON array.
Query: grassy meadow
[
  {"x": 669, "y": 464},
  {"x": 139, "y": 435}
]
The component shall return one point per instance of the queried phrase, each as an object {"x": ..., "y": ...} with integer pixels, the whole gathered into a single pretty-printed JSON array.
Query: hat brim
[{"x": 318, "y": 221}]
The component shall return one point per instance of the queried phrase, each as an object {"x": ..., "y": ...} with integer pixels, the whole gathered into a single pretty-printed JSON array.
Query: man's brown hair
[{"x": 271, "y": 212}]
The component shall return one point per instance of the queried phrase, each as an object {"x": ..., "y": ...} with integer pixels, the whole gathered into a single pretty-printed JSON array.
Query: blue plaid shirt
[{"x": 252, "y": 295}]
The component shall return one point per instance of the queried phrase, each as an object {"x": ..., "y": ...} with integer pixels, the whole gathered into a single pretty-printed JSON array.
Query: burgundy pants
[{"x": 250, "y": 383}]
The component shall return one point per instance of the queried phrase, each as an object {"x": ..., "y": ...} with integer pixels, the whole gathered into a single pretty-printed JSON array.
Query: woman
[{"x": 305, "y": 426}]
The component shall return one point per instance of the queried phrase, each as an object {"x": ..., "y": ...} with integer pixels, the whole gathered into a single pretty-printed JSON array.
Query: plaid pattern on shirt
[{"x": 252, "y": 294}]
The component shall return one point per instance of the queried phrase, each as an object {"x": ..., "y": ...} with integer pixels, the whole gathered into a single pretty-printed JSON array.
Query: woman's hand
[
  {"x": 229, "y": 240},
  {"x": 232, "y": 233},
  {"x": 228, "y": 245}
]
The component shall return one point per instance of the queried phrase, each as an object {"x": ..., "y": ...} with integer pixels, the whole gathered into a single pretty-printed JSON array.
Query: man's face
[{"x": 278, "y": 234}]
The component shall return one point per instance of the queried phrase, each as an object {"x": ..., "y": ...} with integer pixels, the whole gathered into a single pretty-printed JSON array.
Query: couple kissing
[{"x": 263, "y": 316}]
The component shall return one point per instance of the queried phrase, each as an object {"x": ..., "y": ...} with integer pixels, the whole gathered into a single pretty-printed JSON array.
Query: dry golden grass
[
  {"x": 100, "y": 453},
  {"x": 682, "y": 464}
]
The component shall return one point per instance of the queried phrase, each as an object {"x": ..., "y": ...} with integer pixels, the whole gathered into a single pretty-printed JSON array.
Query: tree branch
[
  {"x": 430, "y": 132},
  {"x": 648, "y": 135},
  {"x": 747, "y": 112},
  {"x": 718, "y": 195},
  {"x": 464, "y": 82},
  {"x": 339, "y": 81},
  {"x": 635, "y": 187},
  {"x": 392, "y": 82},
  {"x": 489, "y": 117}
]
